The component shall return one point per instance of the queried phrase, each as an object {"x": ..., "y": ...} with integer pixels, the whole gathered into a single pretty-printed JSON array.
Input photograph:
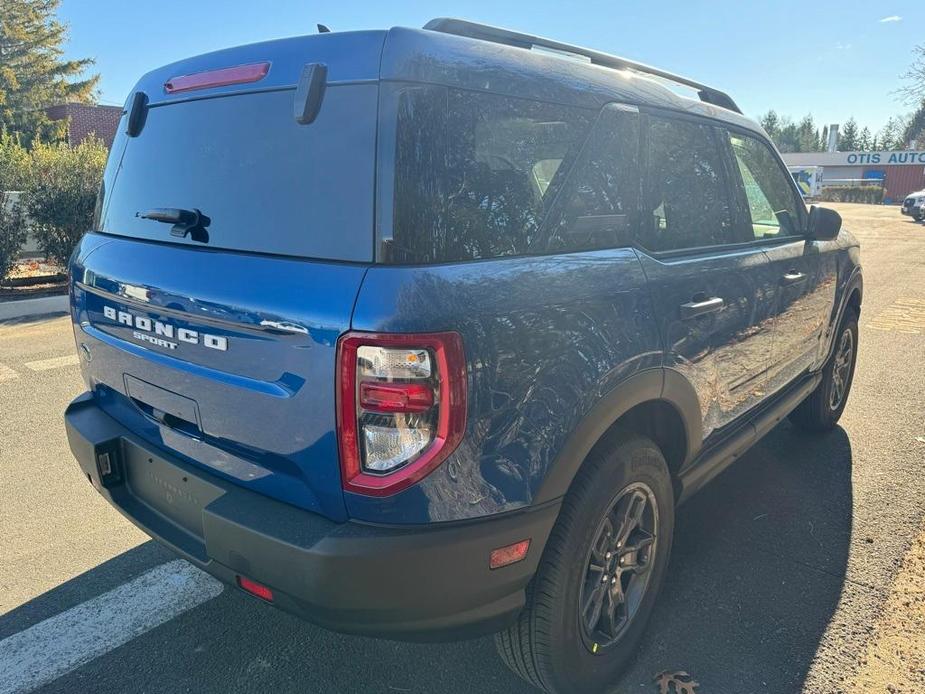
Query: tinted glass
[
  {"x": 475, "y": 174},
  {"x": 772, "y": 203},
  {"x": 686, "y": 204},
  {"x": 601, "y": 198},
  {"x": 266, "y": 183}
]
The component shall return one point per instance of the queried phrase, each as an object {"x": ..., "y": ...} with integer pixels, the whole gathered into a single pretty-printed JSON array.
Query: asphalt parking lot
[{"x": 785, "y": 576}]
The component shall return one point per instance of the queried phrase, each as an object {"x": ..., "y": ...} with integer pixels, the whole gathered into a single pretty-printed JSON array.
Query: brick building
[{"x": 84, "y": 119}]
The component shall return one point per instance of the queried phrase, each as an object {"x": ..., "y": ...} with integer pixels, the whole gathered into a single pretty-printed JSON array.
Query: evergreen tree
[
  {"x": 33, "y": 73},
  {"x": 864, "y": 139},
  {"x": 807, "y": 135},
  {"x": 771, "y": 124},
  {"x": 891, "y": 135},
  {"x": 848, "y": 142}
]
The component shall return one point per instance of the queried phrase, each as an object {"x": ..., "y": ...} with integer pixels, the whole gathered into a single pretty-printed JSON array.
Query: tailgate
[
  {"x": 232, "y": 237},
  {"x": 226, "y": 359}
]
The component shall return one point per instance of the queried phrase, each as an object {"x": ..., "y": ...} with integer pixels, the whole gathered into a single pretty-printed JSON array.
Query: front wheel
[
  {"x": 588, "y": 605},
  {"x": 824, "y": 406}
]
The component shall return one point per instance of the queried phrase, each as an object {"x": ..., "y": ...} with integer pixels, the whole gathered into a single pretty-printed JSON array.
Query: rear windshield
[
  {"x": 264, "y": 182},
  {"x": 475, "y": 174}
]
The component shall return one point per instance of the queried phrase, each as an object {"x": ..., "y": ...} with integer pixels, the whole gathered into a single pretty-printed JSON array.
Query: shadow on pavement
[{"x": 757, "y": 571}]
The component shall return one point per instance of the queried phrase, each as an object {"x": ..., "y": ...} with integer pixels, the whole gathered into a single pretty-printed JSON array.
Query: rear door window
[
  {"x": 266, "y": 183},
  {"x": 686, "y": 203},
  {"x": 475, "y": 174}
]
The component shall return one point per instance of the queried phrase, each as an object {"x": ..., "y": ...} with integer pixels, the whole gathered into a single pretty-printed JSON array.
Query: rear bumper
[{"x": 416, "y": 583}]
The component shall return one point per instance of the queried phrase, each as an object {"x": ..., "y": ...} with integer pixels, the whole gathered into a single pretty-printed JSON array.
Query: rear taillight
[{"x": 401, "y": 407}]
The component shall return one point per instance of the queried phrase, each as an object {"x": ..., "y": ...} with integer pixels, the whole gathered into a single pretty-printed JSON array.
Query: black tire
[
  {"x": 822, "y": 409},
  {"x": 550, "y": 646}
]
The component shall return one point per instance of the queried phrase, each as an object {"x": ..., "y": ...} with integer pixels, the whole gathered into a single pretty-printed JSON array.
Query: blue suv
[{"x": 425, "y": 334}]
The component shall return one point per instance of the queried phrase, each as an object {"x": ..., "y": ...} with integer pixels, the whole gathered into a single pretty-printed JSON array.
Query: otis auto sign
[
  {"x": 909, "y": 157},
  {"x": 888, "y": 158}
]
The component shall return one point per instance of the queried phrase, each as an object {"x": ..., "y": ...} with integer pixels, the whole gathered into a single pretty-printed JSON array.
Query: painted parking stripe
[
  {"x": 49, "y": 649},
  {"x": 54, "y": 363},
  {"x": 7, "y": 374}
]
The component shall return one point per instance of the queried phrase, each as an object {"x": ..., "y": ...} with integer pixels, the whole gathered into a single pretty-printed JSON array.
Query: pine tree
[
  {"x": 864, "y": 139},
  {"x": 33, "y": 73},
  {"x": 848, "y": 142},
  {"x": 771, "y": 124},
  {"x": 807, "y": 135},
  {"x": 891, "y": 135}
]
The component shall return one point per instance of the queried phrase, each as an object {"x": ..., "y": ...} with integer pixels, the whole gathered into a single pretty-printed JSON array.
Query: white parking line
[
  {"x": 49, "y": 649},
  {"x": 7, "y": 374},
  {"x": 54, "y": 363}
]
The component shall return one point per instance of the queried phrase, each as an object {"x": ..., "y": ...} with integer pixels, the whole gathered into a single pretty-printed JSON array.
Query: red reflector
[
  {"x": 254, "y": 588},
  {"x": 396, "y": 397},
  {"x": 511, "y": 554},
  {"x": 239, "y": 74}
]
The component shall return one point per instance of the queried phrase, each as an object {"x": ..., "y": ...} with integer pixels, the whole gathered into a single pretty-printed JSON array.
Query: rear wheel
[
  {"x": 589, "y": 603},
  {"x": 824, "y": 406}
]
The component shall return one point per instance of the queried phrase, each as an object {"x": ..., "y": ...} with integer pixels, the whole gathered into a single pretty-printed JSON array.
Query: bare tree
[{"x": 914, "y": 89}]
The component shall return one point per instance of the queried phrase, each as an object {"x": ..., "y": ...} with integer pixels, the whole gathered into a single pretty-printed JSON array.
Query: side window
[
  {"x": 772, "y": 203},
  {"x": 601, "y": 199},
  {"x": 476, "y": 174},
  {"x": 686, "y": 203}
]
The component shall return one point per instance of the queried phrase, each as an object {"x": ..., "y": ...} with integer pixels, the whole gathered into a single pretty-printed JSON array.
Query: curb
[{"x": 33, "y": 307}]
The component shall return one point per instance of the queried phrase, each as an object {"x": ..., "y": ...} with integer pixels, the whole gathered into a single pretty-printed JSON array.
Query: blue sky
[{"x": 833, "y": 59}]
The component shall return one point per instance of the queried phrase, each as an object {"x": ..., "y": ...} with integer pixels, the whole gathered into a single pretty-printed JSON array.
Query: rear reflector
[
  {"x": 239, "y": 74},
  {"x": 510, "y": 554},
  {"x": 396, "y": 397},
  {"x": 254, "y": 588}
]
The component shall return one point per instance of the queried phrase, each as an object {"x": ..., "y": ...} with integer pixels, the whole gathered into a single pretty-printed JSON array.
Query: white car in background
[{"x": 914, "y": 205}]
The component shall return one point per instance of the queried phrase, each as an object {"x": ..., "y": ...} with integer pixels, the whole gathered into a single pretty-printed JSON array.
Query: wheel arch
[
  {"x": 852, "y": 297},
  {"x": 658, "y": 403}
]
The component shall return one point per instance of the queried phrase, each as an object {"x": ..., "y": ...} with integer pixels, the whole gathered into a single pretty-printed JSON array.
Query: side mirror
[{"x": 824, "y": 224}]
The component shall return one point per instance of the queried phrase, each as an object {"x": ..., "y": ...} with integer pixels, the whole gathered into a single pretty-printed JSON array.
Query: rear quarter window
[{"x": 473, "y": 175}]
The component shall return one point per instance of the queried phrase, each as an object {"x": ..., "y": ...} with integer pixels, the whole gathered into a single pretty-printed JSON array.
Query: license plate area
[{"x": 168, "y": 489}]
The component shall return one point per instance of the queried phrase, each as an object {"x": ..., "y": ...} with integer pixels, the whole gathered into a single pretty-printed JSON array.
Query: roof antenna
[{"x": 322, "y": 29}]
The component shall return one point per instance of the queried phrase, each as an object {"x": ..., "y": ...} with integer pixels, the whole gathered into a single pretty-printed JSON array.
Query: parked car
[
  {"x": 424, "y": 334},
  {"x": 918, "y": 210},
  {"x": 913, "y": 205}
]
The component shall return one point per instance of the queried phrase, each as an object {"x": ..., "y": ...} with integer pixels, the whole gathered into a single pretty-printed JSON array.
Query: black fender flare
[
  {"x": 855, "y": 281},
  {"x": 661, "y": 383}
]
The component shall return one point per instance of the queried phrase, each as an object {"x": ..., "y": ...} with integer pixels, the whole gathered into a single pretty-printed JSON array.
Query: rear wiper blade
[{"x": 192, "y": 222}]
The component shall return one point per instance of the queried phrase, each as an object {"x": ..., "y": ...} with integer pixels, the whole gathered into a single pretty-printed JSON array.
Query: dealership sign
[
  {"x": 899, "y": 158},
  {"x": 888, "y": 158}
]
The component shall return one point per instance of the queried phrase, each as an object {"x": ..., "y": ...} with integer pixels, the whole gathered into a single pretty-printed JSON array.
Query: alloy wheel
[
  {"x": 841, "y": 369},
  {"x": 618, "y": 566}
]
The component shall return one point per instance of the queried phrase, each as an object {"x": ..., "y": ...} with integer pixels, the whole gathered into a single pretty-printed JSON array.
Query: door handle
[
  {"x": 692, "y": 309},
  {"x": 793, "y": 277}
]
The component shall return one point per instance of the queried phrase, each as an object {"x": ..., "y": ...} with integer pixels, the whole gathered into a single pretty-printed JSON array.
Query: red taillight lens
[
  {"x": 254, "y": 588},
  {"x": 401, "y": 407},
  {"x": 396, "y": 397},
  {"x": 239, "y": 74}
]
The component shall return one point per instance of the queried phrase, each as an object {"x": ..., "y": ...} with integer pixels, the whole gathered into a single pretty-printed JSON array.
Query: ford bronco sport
[{"x": 425, "y": 333}]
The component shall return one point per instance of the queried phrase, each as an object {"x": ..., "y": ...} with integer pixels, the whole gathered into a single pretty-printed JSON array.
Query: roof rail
[{"x": 485, "y": 32}]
